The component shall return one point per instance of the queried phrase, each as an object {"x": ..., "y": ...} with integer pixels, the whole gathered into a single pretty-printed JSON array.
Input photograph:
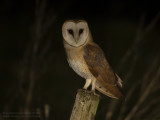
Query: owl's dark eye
[
  {"x": 80, "y": 31},
  {"x": 70, "y": 31}
]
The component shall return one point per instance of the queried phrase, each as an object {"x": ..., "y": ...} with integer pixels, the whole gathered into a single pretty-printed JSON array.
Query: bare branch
[
  {"x": 134, "y": 47},
  {"x": 37, "y": 36},
  {"x": 148, "y": 73},
  {"x": 134, "y": 44},
  {"x": 147, "y": 107},
  {"x": 153, "y": 114},
  {"x": 111, "y": 109},
  {"x": 130, "y": 51},
  {"x": 128, "y": 97},
  {"x": 144, "y": 95},
  {"x": 139, "y": 37},
  {"x": 152, "y": 24}
]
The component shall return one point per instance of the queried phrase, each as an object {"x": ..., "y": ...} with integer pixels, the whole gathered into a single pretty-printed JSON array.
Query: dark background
[{"x": 35, "y": 75}]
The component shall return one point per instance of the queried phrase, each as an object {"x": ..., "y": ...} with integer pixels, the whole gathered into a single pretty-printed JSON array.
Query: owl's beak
[
  {"x": 76, "y": 38},
  {"x": 76, "y": 41}
]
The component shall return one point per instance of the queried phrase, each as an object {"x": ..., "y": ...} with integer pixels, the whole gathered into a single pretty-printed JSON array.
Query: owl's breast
[{"x": 80, "y": 67}]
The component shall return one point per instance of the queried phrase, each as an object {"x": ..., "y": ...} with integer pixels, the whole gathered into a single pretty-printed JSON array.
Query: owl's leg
[
  {"x": 87, "y": 84},
  {"x": 93, "y": 85}
]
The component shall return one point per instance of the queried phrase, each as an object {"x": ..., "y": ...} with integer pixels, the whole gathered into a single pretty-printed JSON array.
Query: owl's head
[{"x": 75, "y": 33}]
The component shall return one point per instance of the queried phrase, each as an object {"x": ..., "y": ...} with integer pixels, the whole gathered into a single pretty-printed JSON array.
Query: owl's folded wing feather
[{"x": 108, "y": 82}]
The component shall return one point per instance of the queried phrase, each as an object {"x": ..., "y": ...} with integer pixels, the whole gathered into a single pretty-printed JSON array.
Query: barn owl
[{"x": 87, "y": 59}]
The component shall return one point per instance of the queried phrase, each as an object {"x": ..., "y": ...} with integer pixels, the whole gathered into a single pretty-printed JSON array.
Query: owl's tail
[{"x": 116, "y": 92}]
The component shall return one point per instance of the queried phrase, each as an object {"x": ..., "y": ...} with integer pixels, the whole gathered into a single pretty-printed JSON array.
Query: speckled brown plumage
[{"x": 101, "y": 70}]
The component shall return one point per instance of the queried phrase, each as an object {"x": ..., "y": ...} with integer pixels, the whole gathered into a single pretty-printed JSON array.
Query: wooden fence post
[{"x": 85, "y": 105}]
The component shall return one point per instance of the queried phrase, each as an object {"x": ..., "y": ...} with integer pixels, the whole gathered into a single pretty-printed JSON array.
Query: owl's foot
[
  {"x": 94, "y": 93},
  {"x": 91, "y": 92}
]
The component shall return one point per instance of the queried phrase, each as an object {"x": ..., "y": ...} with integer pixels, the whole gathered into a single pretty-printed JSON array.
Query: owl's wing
[{"x": 108, "y": 82}]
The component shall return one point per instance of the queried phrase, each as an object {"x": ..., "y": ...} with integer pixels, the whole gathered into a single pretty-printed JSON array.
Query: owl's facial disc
[{"x": 75, "y": 33}]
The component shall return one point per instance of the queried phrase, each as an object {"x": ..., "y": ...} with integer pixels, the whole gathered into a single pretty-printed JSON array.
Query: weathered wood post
[{"x": 85, "y": 105}]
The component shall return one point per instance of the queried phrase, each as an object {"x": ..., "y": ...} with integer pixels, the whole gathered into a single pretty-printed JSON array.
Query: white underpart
[{"x": 80, "y": 67}]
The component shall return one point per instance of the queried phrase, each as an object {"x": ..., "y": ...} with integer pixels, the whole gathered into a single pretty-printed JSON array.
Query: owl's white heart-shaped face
[{"x": 75, "y": 33}]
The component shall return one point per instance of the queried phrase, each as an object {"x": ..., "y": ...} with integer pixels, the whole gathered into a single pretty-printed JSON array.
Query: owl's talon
[
  {"x": 84, "y": 89},
  {"x": 93, "y": 92}
]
